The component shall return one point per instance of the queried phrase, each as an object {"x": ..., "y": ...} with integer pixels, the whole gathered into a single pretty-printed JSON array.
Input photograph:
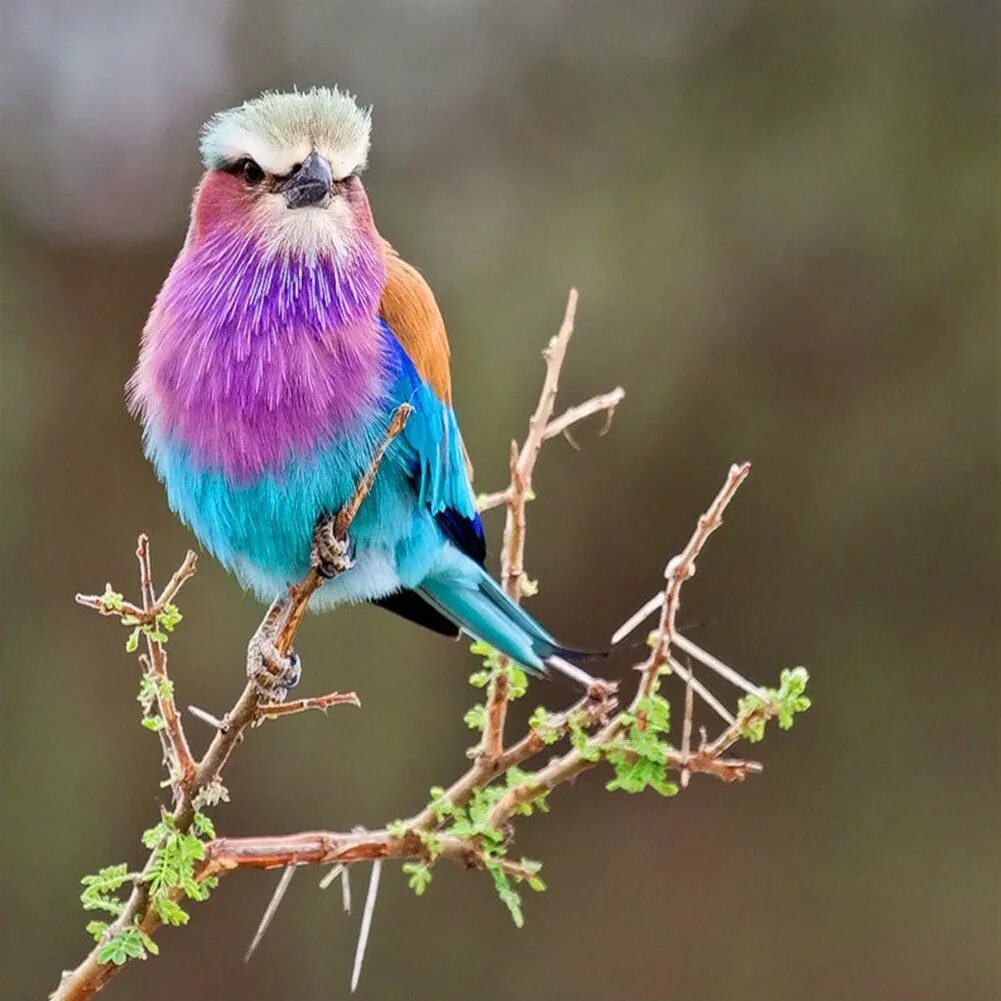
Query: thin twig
[
  {"x": 177, "y": 579},
  {"x": 522, "y": 465},
  {"x": 271, "y": 710},
  {"x": 180, "y": 762},
  {"x": 682, "y": 568},
  {"x": 486, "y": 502},
  {"x": 603, "y": 404}
]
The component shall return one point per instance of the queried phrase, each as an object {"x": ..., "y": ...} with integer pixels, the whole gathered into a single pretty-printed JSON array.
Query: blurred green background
[{"x": 782, "y": 219}]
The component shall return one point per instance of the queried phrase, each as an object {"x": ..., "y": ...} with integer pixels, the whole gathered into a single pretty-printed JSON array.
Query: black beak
[{"x": 310, "y": 184}]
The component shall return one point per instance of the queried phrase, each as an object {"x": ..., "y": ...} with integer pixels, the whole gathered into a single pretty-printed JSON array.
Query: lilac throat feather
[{"x": 252, "y": 355}]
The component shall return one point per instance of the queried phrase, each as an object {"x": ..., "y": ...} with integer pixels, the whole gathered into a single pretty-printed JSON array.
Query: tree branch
[
  {"x": 472, "y": 821},
  {"x": 320, "y": 847},
  {"x": 515, "y": 497},
  {"x": 199, "y": 783}
]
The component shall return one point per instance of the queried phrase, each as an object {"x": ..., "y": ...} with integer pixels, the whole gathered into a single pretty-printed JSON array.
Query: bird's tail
[{"x": 472, "y": 599}]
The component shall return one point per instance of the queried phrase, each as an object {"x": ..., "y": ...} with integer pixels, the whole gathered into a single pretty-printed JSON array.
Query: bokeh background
[{"x": 782, "y": 219}]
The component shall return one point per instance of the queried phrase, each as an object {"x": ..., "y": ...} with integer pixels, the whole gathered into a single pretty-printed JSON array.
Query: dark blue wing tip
[
  {"x": 577, "y": 656},
  {"x": 466, "y": 533}
]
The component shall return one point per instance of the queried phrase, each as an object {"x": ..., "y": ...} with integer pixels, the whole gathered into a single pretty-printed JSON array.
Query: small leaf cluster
[
  {"x": 164, "y": 622},
  {"x": 100, "y": 889},
  {"x": 541, "y": 722},
  {"x": 100, "y": 892},
  {"x": 150, "y": 689},
  {"x": 472, "y": 823},
  {"x": 171, "y": 873},
  {"x": 527, "y": 870},
  {"x": 420, "y": 876},
  {"x": 640, "y": 754},
  {"x": 476, "y": 717},
  {"x": 782, "y": 703},
  {"x": 173, "y": 866},
  {"x": 129, "y": 943}
]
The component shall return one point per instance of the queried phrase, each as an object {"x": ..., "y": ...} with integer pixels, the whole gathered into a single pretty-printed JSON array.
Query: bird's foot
[
  {"x": 330, "y": 556},
  {"x": 272, "y": 672}
]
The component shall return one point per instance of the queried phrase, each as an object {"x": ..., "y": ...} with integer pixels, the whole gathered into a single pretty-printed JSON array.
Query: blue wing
[
  {"x": 432, "y": 448},
  {"x": 458, "y": 593}
]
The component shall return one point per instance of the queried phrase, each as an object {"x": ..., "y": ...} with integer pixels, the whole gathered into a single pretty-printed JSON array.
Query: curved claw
[
  {"x": 294, "y": 672},
  {"x": 272, "y": 672},
  {"x": 330, "y": 556}
]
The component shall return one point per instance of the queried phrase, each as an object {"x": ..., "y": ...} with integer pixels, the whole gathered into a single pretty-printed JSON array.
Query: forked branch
[
  {"x": 473, "y": 821},
  {"x": 199, "y": 783}
]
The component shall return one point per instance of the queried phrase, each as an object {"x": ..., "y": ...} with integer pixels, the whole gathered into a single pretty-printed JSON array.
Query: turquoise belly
[{"x": 262, "y": 529}]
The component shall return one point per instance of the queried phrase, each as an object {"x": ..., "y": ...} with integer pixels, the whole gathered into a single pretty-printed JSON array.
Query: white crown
[{"x": 280, "y": 130}]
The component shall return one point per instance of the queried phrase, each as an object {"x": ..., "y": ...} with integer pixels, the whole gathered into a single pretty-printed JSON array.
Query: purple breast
[{"x": 249, "y": 358}]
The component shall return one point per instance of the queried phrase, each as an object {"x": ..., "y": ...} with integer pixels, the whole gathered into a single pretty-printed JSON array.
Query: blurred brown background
[{"x": 782, "y": 220}]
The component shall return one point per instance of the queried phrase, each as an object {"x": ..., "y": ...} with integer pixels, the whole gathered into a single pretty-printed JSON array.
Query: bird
[{"x": 286, "y": 335}]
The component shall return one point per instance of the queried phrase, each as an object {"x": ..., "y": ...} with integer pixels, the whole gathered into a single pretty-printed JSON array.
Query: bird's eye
[{"x": 250, "y": 171}]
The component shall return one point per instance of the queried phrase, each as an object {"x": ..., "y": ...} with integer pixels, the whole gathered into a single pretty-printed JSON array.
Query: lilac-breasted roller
[{"x": 284, "y": 338}]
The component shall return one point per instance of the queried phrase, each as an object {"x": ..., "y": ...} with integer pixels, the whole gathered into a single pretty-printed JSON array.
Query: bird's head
[{"x": 284, "y": 170}]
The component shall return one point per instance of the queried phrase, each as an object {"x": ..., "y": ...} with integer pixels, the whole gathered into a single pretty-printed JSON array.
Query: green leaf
[
  {"x": 639, "y": 756},
  {"x": 657, "y": 712},
  {"x": 152, "y": 835},
  {"x": 170, "y": 912},
  {"x": 173, "y": 868},
  {"x": 517, "y": 683},
  {"x": 508, "y": 895},
  {"x": 442, "y": 808},
  {"x": 148, "y": 944},
  {"x": 203, "y": 826},
  {"x": 132, "y": 643},
  {"x": 533, "y": 879},
  {"x": 396, "y": 828},
  {"x": 491, "y": 658},
  {"x": 169, "y": 617},
  {"x": 754, "y": 711},
  {"x": 154, "y": 723},
  {"x": 420, "y": 876},
  {"x": 792, "y": 685},
  {"x": 97, "y": 929},
  {"x": 539, "y": 722},
  {"x": 112, "y": 600},
  {"x": 476, "y": 717},
  {"x": 581, "y": 743},
  {"x": 126, "y": 945},
  {"x": 100, "y": 889},
  {"x": 516, "y": 777},
  {"x": 431, "y": 843},
  {"x": 113, "y": 951}
]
